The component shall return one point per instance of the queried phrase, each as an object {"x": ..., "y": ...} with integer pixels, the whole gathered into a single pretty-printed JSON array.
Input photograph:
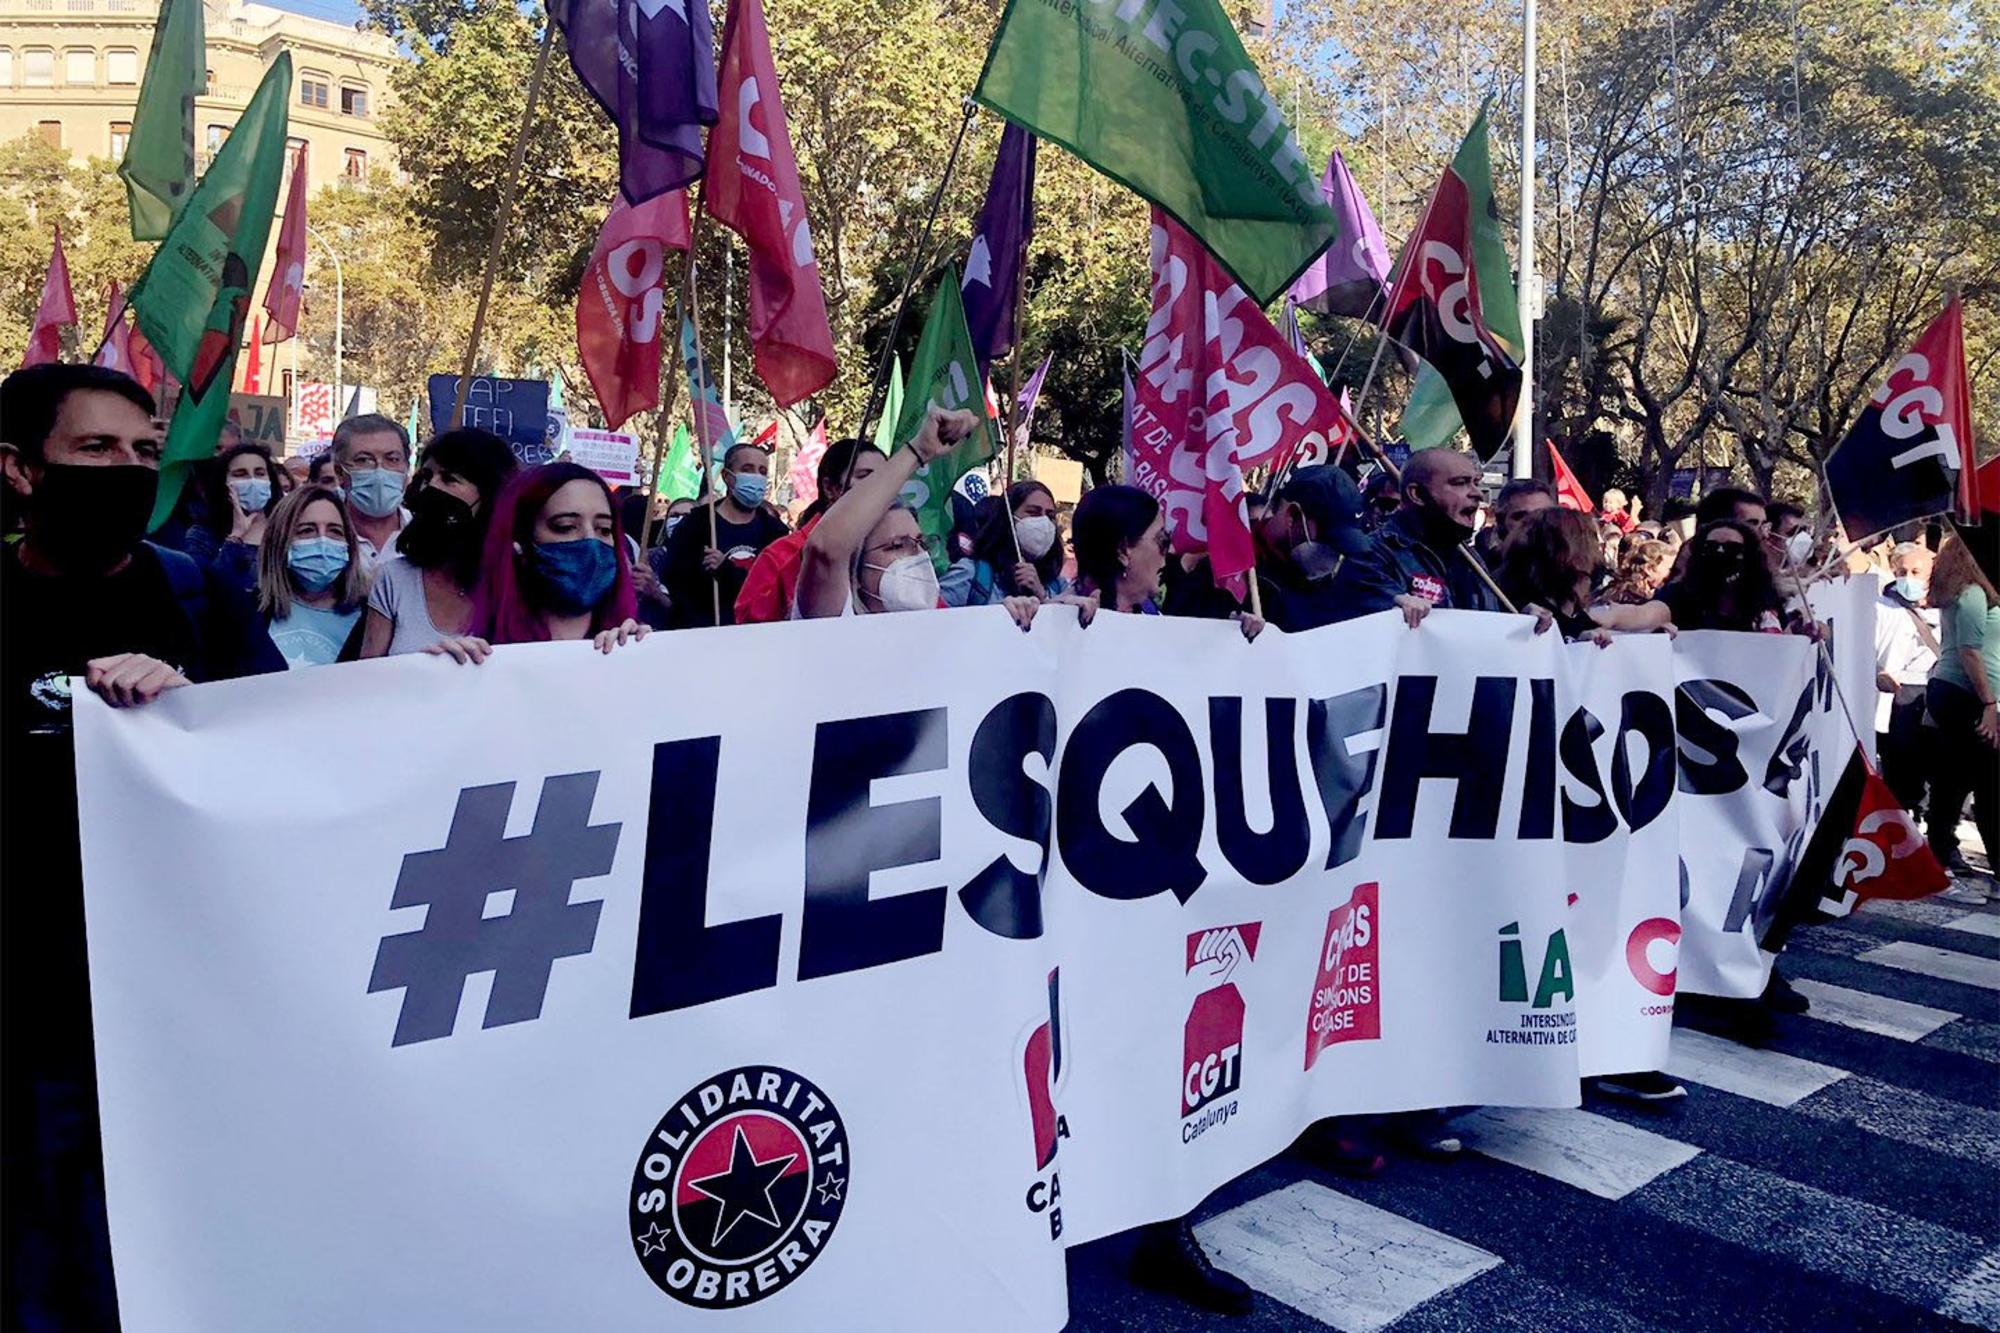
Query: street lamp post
[
  {"x": 339, "y": 327},
  {"x": 1530, "y": 294}
]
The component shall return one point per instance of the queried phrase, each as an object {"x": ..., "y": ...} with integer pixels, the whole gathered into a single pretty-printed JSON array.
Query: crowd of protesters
[{"x": 375, "y": 549}]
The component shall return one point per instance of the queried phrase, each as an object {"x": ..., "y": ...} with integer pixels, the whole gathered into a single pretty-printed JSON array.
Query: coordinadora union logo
[{"x": 739, "y": 1187}]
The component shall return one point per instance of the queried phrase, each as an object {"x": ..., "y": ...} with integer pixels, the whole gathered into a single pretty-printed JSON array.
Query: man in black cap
[{"x": 1319, "y": 560}]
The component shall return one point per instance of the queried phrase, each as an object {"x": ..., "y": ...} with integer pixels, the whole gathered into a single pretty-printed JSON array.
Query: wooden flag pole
[
  {"x": 501, "y": 218},
  {"x": 669, "y": 387},
  {"x": 714, "y": 503},
  {"x": 1014, "y": 422},
  {"x": 1464, "y": 550}
]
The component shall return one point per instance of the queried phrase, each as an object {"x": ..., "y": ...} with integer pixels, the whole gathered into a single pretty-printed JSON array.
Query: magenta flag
[
  {"x": 621, "y": 302},
  {"x": 1351, "y": 276},
  {"x": 753, "y": 189},
  {"x": 57, "y": 310},
  {"x": 288, "y": 275}
]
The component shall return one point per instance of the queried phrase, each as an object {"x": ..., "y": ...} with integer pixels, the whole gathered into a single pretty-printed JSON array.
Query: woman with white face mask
[
  {"x": 1023, "y": 558},
  {"x": 867, "y": 554}
]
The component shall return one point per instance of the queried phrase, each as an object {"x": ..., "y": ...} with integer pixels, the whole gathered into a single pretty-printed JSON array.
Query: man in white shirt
[
  {"x": 1906, "y": 648},
  {"x": 371, "y": 456}
]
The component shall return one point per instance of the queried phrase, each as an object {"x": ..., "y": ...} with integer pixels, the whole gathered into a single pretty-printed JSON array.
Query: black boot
[
  {"x": 1170, "y": 1260},
  {"x": 1783, "y": 996}
]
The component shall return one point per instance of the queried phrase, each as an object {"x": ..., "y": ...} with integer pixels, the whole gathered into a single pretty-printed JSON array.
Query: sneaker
[
  {"x": 1171, "y": 1261},
  {"x": 1965, "y": 891},
  {"x": 1781, "y": 995},
  {"x": 1423, "y": 1134},
  {"x": 1650, "y": 1086}
]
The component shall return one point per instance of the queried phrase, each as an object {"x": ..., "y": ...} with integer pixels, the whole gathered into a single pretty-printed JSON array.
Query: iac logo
[{"x": 1212, "y": 1041}]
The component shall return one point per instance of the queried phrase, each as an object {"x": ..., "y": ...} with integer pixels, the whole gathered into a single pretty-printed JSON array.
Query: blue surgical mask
[
  {"x": 315, "y": 562},
  {"x": 748, "y": 488},
  {"x": 572, "y": 576},
  {"x": 253, "y": 493},
  {"x": 1911, "y": 588},
  {"x": 375, "y": 492}
]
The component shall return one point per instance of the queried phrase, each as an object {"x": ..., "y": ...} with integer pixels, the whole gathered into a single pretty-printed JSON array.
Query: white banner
[
  {"x": 611, "y": 454},
  {"x": 525, "y": 1016}
]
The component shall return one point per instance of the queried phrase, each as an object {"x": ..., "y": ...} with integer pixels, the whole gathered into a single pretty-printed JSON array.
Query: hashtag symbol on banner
[{"x": 519, "y": 946}]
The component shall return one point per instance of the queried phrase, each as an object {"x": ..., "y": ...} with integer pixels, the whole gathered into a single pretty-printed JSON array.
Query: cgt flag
[
  {"x": 56, "y": 312},
  {"x": 1436, "y": 311},
  {"x": 1569, "y": 491},
  {"x": 995, "y": 263},
  {"x": 1219, "y": 391},
  {"x": 1910, "y": 453},
  {"x": 1432, "y": 415},
  {"x": 944, "y": 373},
  {"x": 650, "y": 65},
  {"x": 620, "y": 304},
  {"x": 1160, "y": 96},
  {"x": 754, "y": 191},
  {"x": 192, "y": 300}
]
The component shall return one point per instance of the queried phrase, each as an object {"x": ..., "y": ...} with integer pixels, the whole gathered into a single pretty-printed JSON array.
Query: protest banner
[
  {"x": 515, "y": 410},
  {"x": 261, "y": 419},
  {"x": 886, "y": 992},
  {"x": 611, "y": 454}
]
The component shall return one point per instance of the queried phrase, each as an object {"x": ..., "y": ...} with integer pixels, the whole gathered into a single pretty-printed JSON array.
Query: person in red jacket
[{"x": 773, "y": 580}]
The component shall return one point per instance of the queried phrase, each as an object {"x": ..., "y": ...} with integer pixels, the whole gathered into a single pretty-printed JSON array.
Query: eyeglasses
[{"x": 902, "y": 547}]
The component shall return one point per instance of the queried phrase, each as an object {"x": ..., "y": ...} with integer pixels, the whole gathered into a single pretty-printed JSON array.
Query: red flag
[
  {"x": 1219, "y": 391},
  {"x": 58, "y": 309},
  {"x": 253, "y": 359},
  {"x": 288, "y": 273},
  {"x": 1884, "y": 855},
  {"x": 767, "y": 438},
  {"x": 622, "y": 300},
  {"x": 804, "y": 475},
  {"x": 114, "y": 350},
  {"x": 753, "y": 189},
  {"x": 1910, "y": 453},
  {"x": 1569, "y": 491},
  {"x": 148, "y": 368}
]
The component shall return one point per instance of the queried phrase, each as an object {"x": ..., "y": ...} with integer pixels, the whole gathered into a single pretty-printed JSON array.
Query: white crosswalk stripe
[
  {"x": 1985, "y": 924},
  {"x": 1975, "y": 1297},
  {"x": 1595, "y": 1154},
  {"x": 1771, "y": 1077},
  {"x": 1867, "y": 1012},
  {"x": 1336, "y": 1259},
  {"x": 1943, "y": 964}
]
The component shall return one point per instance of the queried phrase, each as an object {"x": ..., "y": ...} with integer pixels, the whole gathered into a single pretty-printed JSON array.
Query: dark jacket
[{"x": 1403, "y": 562}]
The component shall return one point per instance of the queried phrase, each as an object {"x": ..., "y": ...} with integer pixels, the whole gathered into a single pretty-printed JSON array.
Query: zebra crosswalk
[{"x": 1844, "y": 1174}]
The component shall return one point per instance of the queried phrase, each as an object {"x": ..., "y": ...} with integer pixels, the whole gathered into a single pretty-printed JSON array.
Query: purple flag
[
  {"x": 655, "y": 78},
  {"x": 1352, "y": 276},
  {"x": 999, "y": 245},
  {"x": 1025, "y": 404},
  {"x": 1125, "y": 423}
]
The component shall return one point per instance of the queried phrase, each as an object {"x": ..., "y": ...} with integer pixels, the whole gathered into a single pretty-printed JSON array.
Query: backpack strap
[{"x": 982, "y": 582}]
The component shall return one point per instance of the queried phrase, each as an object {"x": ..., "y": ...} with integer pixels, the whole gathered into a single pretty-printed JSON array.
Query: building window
[
  {"x": 121, "y": 139},
  {"x": 357, "y": 165},
  {"x": 121, "y": 66},
  {"x": 294, "y": 150},
  {"x": 6, "y": 67},
  {"x": 38, "y": 68},
  {"x": 79, "y": 68},
  {"x": 353, "y": 101},
  {"x": 51, "y": 132},
  {"x": 216, "y": 134},
  {"x": 313, "y": 92}
]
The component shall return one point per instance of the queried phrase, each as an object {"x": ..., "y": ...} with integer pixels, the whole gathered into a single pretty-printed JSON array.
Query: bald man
[{"x": 1415, "y": 551}]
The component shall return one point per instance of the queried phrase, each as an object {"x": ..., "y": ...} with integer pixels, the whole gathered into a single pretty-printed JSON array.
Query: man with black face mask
[
  {"x": 81, "y": 594},
  {"x": 1322, "y": 566},
  {"x": 1418, "y": 551}
]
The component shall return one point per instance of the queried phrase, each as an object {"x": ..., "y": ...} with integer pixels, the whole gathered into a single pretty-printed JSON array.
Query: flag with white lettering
[
  {"x": 1910, "y": 455},
  {"x": 1352, "y": 277},
  {"x": 651, "y": 67},
  {"x": 620, "y": 305}
]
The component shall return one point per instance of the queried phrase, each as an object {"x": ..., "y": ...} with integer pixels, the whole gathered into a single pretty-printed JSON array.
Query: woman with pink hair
[{"x": 554, "y": 567}]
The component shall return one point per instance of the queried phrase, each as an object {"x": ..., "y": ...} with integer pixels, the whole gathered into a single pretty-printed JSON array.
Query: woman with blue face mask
[
  {"x": 555, "y": 567},
  {"x": 243, "y": 489},
  {"x": 310, "y": 585}
]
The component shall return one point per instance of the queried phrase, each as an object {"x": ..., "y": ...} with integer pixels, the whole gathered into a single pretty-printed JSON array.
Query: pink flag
[
  {"x": 58, "y": 309},
  {"x": 1219, "y": 391},
  {"x": 620, "y": 306},
  {"x": 114, "y": 350},
  {"x": 753, "y": 189},
  {"x": 288, "y": 274},
  {"x": 253, "y": 361},
  {"x": 804, "y": 475}
]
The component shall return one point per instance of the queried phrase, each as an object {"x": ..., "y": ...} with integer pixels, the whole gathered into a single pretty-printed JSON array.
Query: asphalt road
[{"x": 1844, "y": 1176}]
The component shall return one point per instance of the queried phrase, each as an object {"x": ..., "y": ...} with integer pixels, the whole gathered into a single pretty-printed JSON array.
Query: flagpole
[
  {"x": 1524, "y": 416},
  {"x": 881, "y": 381},
  {"x": 668, "y": 386},
  {"x": 1014, "y": 422},
  {"x": 694, "y": 411},
  {"x": 501, "y": 217}
]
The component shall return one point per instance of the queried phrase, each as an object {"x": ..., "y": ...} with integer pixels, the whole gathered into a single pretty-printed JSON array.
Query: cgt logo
[
  {"x": 1212, "y": 1041},
  {"x": 1043, "y": 1070}
]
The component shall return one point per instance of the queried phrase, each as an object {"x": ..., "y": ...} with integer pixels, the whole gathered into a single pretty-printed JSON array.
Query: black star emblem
[
  {"x": 654, "y": 1238},
  {"x": 744, "y": 1190},
  {"x": 830, "y": 1188}
]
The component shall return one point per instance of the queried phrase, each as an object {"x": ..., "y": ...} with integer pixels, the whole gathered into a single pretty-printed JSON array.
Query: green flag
[
  {"x": 159, "y": 156},
  {"x": 1431, "y": 417},
  {"x": 944, "y": 373},
  {"x": 680, "y": 470},
  {"x": 1160, "y": 96},
  {"x": 892, "y": 409},
  {"x": 192, "y": 299}
]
